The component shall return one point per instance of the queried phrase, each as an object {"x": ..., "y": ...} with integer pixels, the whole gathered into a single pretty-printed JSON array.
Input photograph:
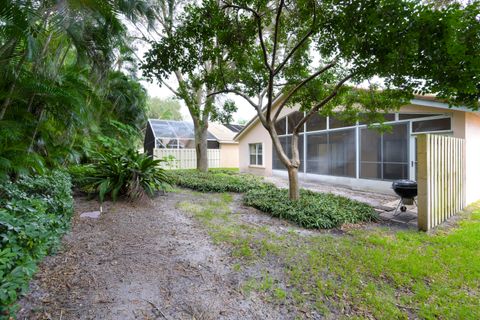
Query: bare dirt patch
[{"x": 141, "y": 261}]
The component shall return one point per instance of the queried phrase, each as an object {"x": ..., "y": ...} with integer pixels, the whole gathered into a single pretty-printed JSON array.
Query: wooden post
[{"x": 423, "y": 182}]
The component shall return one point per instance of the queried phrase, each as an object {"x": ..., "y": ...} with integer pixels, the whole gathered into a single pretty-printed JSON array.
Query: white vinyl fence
[
  {"x": 441, "y": 179},
  {"x": 185, "y": 158}
]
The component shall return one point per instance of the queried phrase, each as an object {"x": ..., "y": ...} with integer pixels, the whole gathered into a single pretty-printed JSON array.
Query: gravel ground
[{"x": 142, "y": 261}]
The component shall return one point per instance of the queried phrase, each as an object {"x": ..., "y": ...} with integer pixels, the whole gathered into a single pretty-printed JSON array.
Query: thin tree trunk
[
  {"x": 35, "y": 132},
  {"x": 201, "y": 132},
  {"x": 293, "y": 186},
  {"x": 8, "y": 99}
]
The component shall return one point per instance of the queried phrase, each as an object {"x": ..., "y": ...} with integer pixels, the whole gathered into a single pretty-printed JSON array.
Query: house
[
  {"x": 355, "y": 156},
  {"x": 168, "y": 137}
]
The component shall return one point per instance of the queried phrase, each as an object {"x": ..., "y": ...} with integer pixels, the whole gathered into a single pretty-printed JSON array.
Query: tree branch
[
  {"x": 322, "y": 103},
  {"x": 271, "y": 74},
  {"x": 238, "y": 93},
  {"x": 275, "y": 35},
  {"x": 170, "y": 88},
  {"x": 300, "y": 85},
  {"x": 260, "y": 32},
  {"x": 299, "y": 44}
]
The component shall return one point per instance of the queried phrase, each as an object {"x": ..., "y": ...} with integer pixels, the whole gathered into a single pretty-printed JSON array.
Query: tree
[
  {"x": 189, "y": 50},
  {"x": 166, "y": 109},
  {"x": 60, "y": 81},
  {"x": 316, "y": 53}
]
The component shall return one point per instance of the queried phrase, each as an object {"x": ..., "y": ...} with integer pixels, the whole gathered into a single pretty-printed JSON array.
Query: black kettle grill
[{"x": 407, "y": 191}]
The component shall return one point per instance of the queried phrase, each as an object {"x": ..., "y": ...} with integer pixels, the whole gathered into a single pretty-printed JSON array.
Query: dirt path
[{"x": 143, "y": 261}]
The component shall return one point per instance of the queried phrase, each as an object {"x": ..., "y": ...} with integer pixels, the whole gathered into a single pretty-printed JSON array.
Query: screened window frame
[
  {"x": 358, "y": 127},
  {"x": 257, "y": 155},
  {"x": 382, "y": 146}
]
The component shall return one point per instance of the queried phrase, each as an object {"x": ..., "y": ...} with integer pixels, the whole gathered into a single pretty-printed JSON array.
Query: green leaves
[
  {"x": 221, "y": 180},
  {"x": 123, "y": 172},
  {"x": 312, "y": 210},
  {"x": 35, "y": 212}
]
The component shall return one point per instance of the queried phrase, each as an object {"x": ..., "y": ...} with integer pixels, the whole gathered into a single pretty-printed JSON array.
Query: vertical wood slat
[
  {"x": 441, "y": 176},
  {"x": 186, "y": 158}
]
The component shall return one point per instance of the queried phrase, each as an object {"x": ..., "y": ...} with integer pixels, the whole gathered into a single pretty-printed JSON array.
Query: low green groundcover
[
  {"x": 216, "y": 180},
  {"x": 34, "y": 213},
  {"x": 313, "y": 210}
]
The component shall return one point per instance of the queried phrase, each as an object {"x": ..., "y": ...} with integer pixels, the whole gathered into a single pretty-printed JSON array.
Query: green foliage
[
  {"x": 312, "y": 210},
  {"x": 216, "y": 180},
  {"x": 165, "y": 109},
  {"x": 189, "y": 50},
  {"x": 123, "y": 173},
  {"x": 34, "y": 213},
  {"x": 60, "y": 83}
]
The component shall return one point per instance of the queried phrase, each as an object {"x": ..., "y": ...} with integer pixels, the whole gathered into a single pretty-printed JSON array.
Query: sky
[{"x": 244, "y": 112}]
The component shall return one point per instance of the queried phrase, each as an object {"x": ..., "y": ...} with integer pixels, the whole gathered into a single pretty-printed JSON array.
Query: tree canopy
[
  {"x": 166, "y": 109},
  {"x": 191, "y": 50},
  {"x": 320, "y": 54},
  {"x": 66, "y": 78}
]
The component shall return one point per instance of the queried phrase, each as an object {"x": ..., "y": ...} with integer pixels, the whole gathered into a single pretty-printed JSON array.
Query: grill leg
[{"x": 398, "y": 206}]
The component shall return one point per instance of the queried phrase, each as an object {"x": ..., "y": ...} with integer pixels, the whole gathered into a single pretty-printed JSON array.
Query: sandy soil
[{"x": 142, "y": 261}]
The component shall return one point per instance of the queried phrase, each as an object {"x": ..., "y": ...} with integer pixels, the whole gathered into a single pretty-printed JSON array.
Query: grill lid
[{"x": 404, "y": 184}]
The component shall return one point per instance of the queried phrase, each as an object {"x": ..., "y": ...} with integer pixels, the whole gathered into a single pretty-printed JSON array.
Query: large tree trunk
[{"x": 201, "y": 131}]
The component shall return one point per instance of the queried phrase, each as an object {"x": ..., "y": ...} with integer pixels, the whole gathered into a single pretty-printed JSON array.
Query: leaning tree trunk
[{"x": 201, "y": 131}]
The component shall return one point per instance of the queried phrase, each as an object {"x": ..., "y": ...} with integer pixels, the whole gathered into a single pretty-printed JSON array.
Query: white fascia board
[{"x": 440, "y": 105}]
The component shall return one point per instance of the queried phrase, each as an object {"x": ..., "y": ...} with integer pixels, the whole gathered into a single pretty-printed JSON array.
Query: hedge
[
  {"x": 34, "y": 213},
  {"x": 216, "y": 180},
  {"x": 312, "y": 210}
]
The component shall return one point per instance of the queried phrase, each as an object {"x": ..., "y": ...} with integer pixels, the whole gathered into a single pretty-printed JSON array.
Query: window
[
  {"x": 332, "y": 153},
  {"x": 286, "y": 143},
  {"x": 337, "y": 123},
  {"x": 256, "y": 154},
  {"x": 431, "y": 125},
  {"x": 316, "y": 123},
  {"x": 293, "y": 119},
  {"x": 408, "y": 116},
  {"x": 384, "y": 156},
  {"x": 281, "y": 126},
  {"x": 368, "y": 118}
]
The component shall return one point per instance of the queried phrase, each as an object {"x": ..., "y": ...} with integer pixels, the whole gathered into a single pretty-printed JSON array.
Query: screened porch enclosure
[
  {"x": 331, "y": 147},
  {"x": 178, "y": 135}
]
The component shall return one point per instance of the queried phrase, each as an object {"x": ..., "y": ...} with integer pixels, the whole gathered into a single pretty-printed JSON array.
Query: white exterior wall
[
  {"x": 256, "y": 133},
  {"x": 229, "y": 155},
  {"x": 472, "y": 161}
]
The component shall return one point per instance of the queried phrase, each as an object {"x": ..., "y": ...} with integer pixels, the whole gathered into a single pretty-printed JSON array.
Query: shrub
[
  {"x": 216, "y": 180},
  {"x": 312, "y": 210},
  {"x": 34, "y": 213},
  {"x": 126, "y": 173}
]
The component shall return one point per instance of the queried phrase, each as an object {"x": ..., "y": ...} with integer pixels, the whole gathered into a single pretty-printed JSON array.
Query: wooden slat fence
[
  {"x": 185, "y": 158},
  {"x": 441, "y": 179}
]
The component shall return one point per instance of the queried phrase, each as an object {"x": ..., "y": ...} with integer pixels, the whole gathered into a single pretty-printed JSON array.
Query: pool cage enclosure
[{"x": 169, "y": 134}]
